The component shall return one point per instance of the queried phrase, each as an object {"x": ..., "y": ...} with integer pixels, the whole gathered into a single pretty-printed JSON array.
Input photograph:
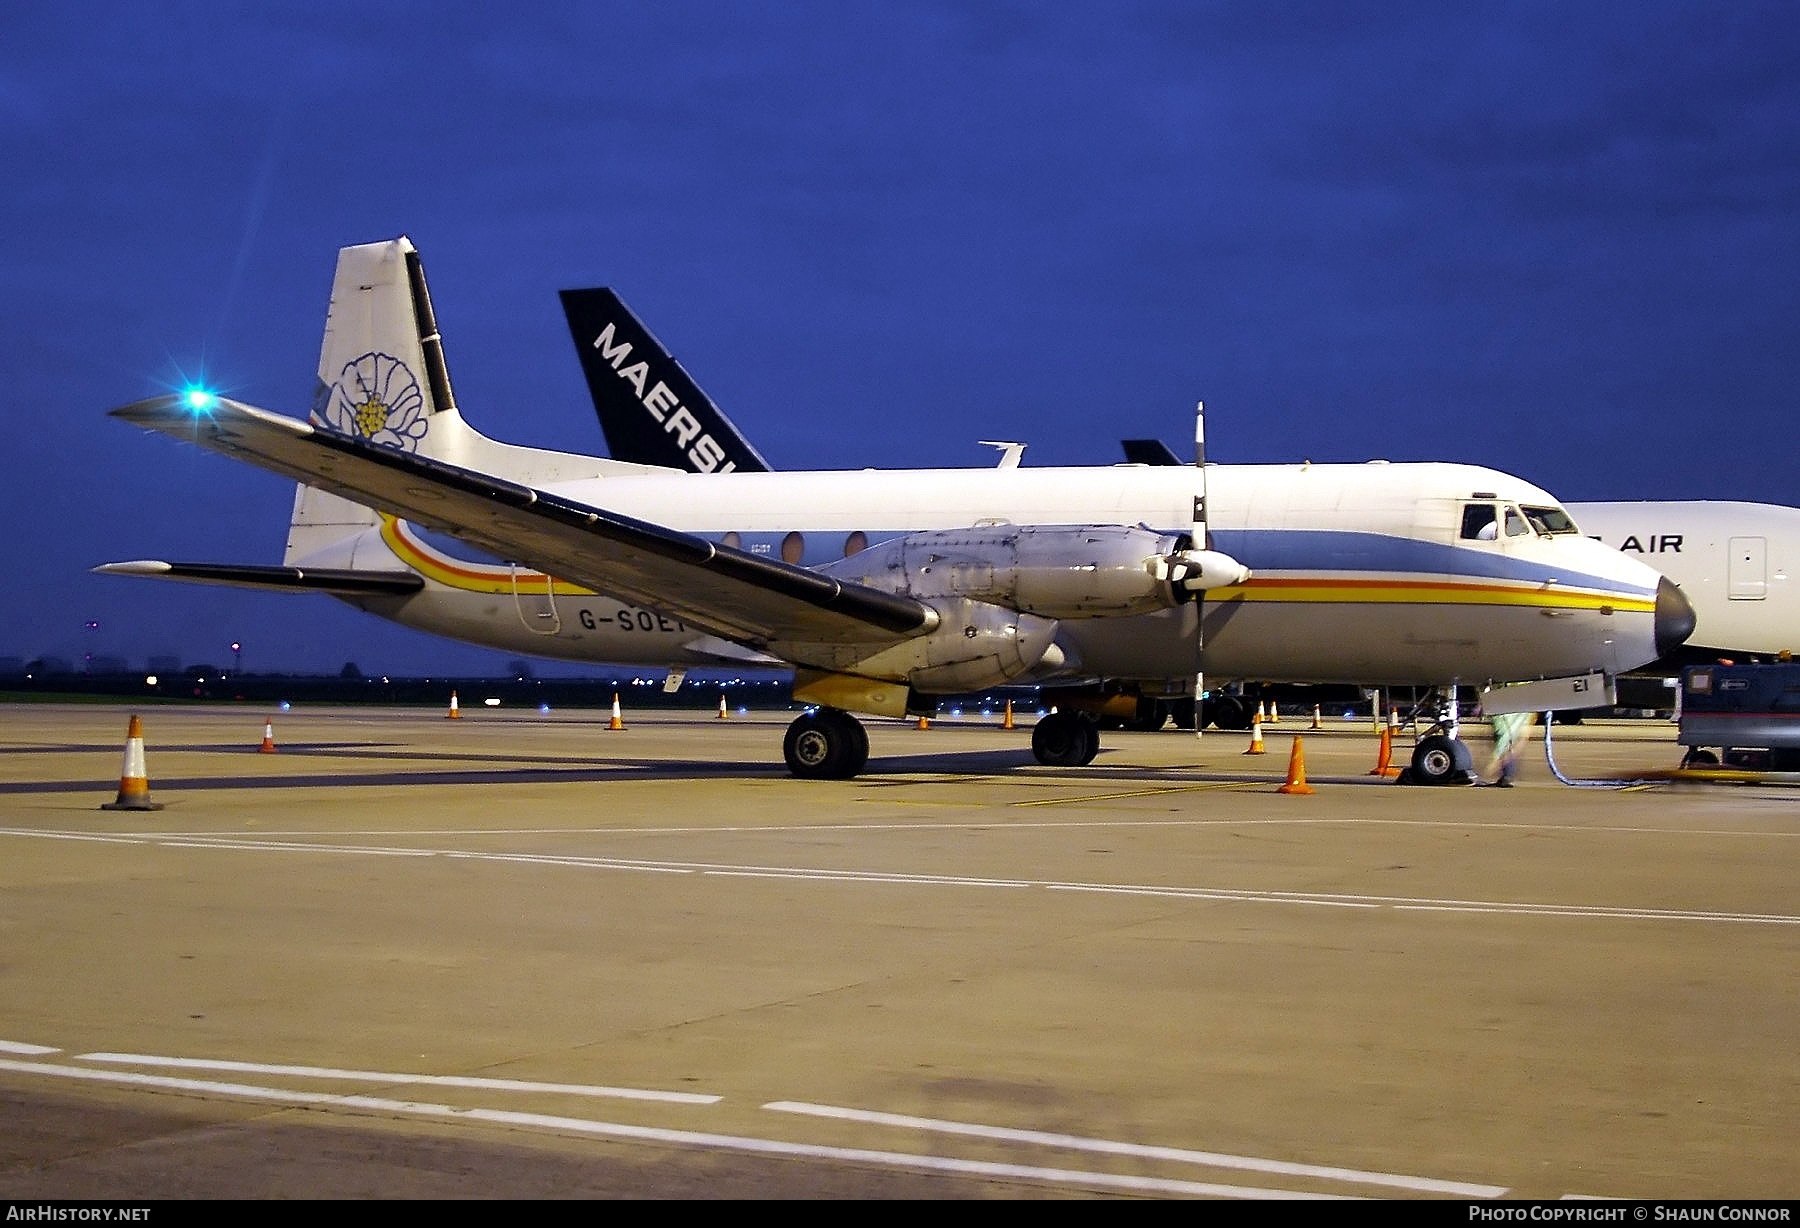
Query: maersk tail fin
[{"x": 650, "y": 409}]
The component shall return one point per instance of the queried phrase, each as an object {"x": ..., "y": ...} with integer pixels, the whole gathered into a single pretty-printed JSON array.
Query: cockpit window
[
  {"x": 1550, "y": 520},
  {"x": 1479, "y": 522},
  {"x": 1515, "y": 523}
]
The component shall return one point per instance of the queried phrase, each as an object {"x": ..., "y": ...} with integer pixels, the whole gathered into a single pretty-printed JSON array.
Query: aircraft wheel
[
  {"x": 1065, "y": 739},
  {"x": 1228, "y": 712},
  {"x": 1182, "y": 713},
  {"x": 826, "y": 744},
  {"x": 1438, "y": 760},
  {"x": 1151, "y": 716},
  {"x": 1700, "y": 758}
]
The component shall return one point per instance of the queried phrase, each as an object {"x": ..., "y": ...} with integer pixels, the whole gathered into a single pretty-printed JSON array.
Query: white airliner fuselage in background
[
  {"x": 1732, "y": 560},
  {"x": 884, "y": 589}
]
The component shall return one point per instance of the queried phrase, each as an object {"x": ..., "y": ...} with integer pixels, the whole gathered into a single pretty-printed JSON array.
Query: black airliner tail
[{"x": 650, "y": 409}]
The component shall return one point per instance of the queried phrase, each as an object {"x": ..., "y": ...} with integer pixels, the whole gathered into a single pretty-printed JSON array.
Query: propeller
[
  {"x": 1200, "y": 567},
  {"x": 1200, "y": 542}
]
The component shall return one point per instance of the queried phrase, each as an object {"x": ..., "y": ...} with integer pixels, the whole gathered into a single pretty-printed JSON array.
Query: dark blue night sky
[{"x": 1559, "y": 239}]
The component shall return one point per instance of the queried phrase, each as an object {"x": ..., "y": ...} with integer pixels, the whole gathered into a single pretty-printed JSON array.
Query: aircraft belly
[{"x": 1362, "y": 643}]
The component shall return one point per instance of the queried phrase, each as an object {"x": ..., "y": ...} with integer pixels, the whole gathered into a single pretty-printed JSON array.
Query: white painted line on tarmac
[
  {"x": 1211, "y": 1159},
  {"x": 813, "y": 874},
  {"x": 684, "y": 1138},
  {"x": 388, "y": 1076},
  {"x": 19, "y": 1046}
]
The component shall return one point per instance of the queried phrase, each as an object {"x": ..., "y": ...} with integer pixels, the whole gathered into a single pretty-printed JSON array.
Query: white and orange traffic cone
[
  {"x": 134, "y": 784},
  {"x": 618, "y": 721},
  {"x": 1296, "y": 773},
  {"x": 1256, "y": 738},
  {"x": 268, "y": 742},
  {"x": 723, "y": 714},
  {"x": 1007, "y": 721},
  {"x": 1318, "y": 718},
  {"x": 1274, "y": 713},
  {"x": 455, "y": 713}
]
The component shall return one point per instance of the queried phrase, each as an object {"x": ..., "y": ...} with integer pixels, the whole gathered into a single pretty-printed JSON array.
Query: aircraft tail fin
[
  {"x": 650, "y": 409},
  {"x": 382, "y": 378}
]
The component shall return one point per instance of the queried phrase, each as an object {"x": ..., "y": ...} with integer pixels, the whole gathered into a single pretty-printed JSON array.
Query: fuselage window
[
  {"x": 732, "y": 540},
  {"x": 1550, "y": 520},
  {"x": 792, "y": 547},
  {"x": 1479, "y": 522},
  {"x": 856, "y": 543}
]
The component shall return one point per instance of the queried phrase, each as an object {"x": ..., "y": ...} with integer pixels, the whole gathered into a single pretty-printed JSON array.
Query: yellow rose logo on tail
[{"x": 378, "y": 399}]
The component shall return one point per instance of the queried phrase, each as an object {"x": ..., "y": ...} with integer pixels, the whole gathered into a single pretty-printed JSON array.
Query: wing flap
[{"x": 742, "y": 597}]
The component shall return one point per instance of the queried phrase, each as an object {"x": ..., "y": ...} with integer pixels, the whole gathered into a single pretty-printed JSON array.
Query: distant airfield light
[
  {"x": 149, "y": 679},
  {"x": 492, "y": 703}
]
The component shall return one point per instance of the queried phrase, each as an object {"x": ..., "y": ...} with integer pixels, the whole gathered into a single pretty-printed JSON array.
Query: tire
[
  {"x": 1065, "y": 739},
  {"x": 825, "y": 744},
  {"x": 1228, "y": 712},
  {"x": 1151, "y": 716},
  {"x": 1438, "y": 760},
  {"x": 1699, "y": 758}
]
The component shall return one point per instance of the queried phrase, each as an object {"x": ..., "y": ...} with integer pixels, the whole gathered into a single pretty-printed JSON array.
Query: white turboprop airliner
[
  {"x": 1732, "y": 560},
  {"x": 884, "y": 589}
]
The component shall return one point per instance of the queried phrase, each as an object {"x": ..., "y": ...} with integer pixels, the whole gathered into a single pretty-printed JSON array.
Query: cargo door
[{"x": 1749, "y": 575}]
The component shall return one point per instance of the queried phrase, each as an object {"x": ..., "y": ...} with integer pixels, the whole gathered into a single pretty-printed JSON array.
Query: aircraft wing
[{"x": 742, "y": 597}]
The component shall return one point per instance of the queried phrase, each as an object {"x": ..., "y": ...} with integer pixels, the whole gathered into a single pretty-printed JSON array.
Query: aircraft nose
[{"x": 1674, "y": 617}]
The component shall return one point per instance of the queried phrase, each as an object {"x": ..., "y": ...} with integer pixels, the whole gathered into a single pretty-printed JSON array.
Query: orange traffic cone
[
  {"x": 723, "y": 714},
  {"x": 1274, "y": 713},
  {"x": 1007, "y": 721},
  {"x": 134, "y": 785},
  {"x": 1318, "y": 720},
  {"x": 268, "y": 742},
  {"x": 1256, "y": 738},
  {"x": 924, "y": 723},
  {"x": 1296, "y": 773},
  {"x": 455, "y": 713},
  {"x": 1384, "y": 760},
  {"x": 618, "y": 721}
]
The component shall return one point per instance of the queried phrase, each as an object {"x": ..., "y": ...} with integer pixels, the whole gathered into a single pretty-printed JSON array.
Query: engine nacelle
[
  {"x": 975, "y": 645},
  {"x": 1091, "y": 571}
]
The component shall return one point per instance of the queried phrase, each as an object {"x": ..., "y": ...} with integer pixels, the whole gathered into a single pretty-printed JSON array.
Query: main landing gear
[
  {"x": 1441, "y": 757},
  {"x": 826, "y": 744},
  {"x": 1065, "y": 739}
]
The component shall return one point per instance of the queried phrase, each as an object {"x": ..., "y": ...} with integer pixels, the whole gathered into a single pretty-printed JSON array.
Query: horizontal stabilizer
[{"x": 339, "y": 582}]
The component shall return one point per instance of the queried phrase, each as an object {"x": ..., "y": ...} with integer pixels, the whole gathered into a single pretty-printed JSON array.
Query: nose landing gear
[{"x": 1441, "y": 757}]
